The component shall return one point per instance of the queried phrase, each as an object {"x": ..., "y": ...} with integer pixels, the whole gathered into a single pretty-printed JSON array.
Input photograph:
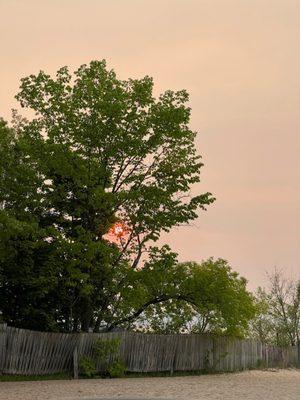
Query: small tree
[
  {"x": 213, "y": 298},
  {"x": 279, "y": 319}
]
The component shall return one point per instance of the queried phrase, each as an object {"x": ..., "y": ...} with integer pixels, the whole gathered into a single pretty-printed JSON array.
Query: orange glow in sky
[
  {"x": 118, "y": 229},
  {"x": 117, "y": 233}
]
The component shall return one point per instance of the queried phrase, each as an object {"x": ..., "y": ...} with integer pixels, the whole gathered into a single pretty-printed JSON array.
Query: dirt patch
[{"x": 250, "y": 385}]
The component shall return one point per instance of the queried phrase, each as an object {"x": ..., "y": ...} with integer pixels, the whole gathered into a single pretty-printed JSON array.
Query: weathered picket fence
[{"x": 28, "y": 352}]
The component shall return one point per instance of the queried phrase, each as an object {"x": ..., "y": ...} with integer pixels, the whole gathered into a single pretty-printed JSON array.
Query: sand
[{"x": 250, "y": 385}]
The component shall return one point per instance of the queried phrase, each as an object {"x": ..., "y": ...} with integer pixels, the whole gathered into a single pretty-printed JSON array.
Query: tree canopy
[
  {"x": 213, "y": 298},
  {"x": 99, "y": 151}
]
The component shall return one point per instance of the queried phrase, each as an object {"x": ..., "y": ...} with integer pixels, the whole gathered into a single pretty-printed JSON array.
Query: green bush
[
  {"x": 107, "y": 349},
  {"x": 116, "y": 369},
  {"x": 105, "y": 352},
  {"x": 87, "y": 367}
]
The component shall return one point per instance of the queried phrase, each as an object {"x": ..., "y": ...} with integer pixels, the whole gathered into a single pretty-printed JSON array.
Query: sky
[{"x": 240, "y": 62}]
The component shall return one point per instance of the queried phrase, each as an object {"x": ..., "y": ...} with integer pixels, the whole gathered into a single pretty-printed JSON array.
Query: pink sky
[{"x": 240, "y": 62}]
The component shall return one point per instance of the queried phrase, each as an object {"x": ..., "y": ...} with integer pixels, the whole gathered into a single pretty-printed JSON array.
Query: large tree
[{"x": 99, "y": 151}]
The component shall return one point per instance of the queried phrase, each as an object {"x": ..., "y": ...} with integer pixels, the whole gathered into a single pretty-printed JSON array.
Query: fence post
[
  {"x": 3, "y": 334},
  {"x": 75, "y": 363}
]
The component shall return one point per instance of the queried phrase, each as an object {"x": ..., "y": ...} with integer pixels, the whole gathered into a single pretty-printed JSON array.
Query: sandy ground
[{"x": 266, "y": 385}]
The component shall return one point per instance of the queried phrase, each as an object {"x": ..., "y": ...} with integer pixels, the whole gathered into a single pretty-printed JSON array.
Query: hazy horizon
[{"x": 239, "y": 60}]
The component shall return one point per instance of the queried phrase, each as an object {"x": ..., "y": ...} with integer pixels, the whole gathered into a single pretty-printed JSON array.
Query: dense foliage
[
  {"x": 213, "y": 299},
  {"x": 101, "y": 151}
]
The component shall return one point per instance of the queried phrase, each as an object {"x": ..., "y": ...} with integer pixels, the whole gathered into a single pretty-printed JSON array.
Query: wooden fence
[{"x": 36, "y": 353}]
